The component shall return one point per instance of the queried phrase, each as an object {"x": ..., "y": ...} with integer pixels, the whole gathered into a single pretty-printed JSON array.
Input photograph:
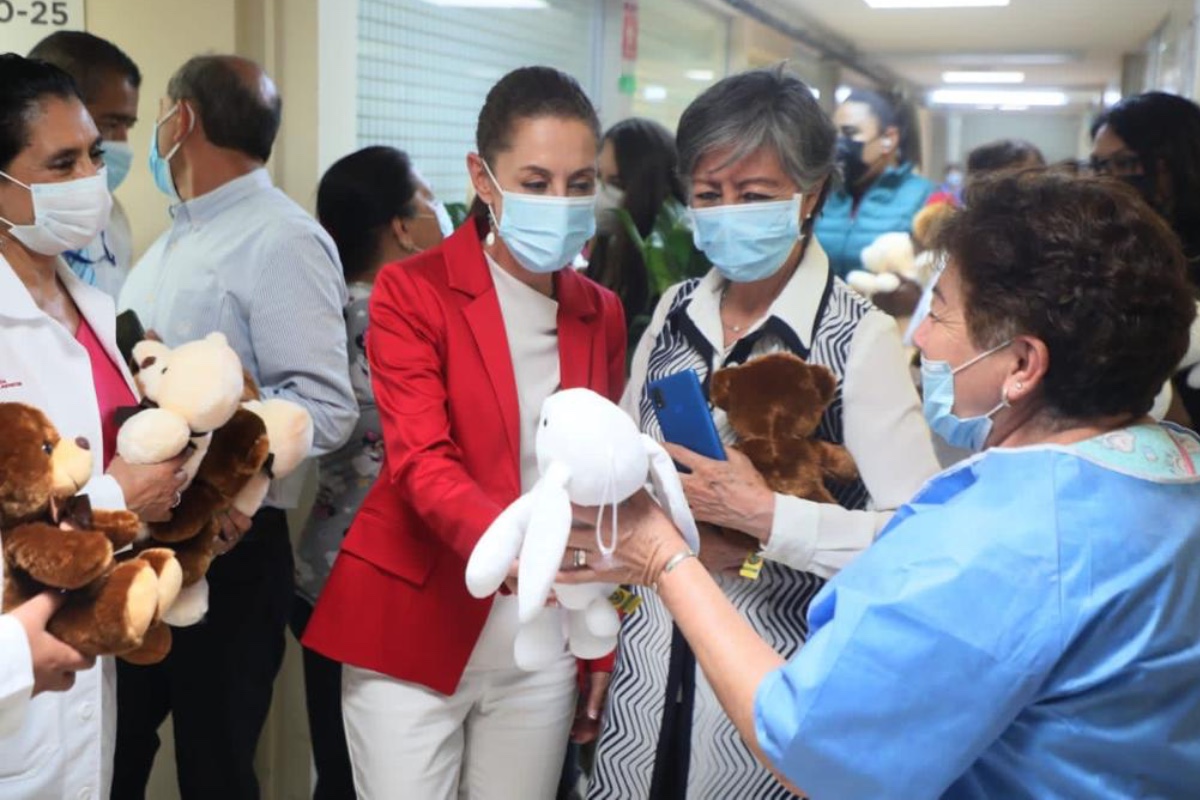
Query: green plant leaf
[
  {"x": 458, "y": 213},
  {"x": 668, "y": 251},
  {"x": 630, "y": 229}
]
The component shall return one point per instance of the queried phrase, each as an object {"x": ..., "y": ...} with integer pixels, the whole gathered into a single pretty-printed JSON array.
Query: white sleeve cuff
[
  {"x": 793, "y": 532},
  {"x": 16, "y": 674},
  {"x": 821, "y": 538}
]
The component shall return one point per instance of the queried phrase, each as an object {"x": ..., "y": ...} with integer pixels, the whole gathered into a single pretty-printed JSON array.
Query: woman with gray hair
[{"x": 756, "y": 153}]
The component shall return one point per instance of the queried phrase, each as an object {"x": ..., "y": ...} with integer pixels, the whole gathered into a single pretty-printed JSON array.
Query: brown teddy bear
[
  {"x": 238, "y": 451},
  {"x": 775, "y": 403},
  {"x": 192, "y": 398},
  {"x": 263, "y": 440},
  {"x": 225, "y": 470},
  {"x": 53, "y": 539}
]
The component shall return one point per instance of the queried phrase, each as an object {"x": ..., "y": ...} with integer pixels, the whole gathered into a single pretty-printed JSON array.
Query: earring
[
  {"x": 490, "y": 239},
  {"x": 1020, "y": 386}
]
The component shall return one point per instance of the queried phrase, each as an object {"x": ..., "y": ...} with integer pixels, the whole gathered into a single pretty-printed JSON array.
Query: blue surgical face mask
[
  {"x": 747, "y": 241},
  {"x": 543, "y": 233},
  {"x": 118, "y": 158},
  {"x": 937, "y": 386},
  {"x": 160, "y": 163}
]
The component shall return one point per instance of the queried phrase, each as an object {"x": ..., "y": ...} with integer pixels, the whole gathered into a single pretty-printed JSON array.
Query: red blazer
[{"x": 396, "y": 601}]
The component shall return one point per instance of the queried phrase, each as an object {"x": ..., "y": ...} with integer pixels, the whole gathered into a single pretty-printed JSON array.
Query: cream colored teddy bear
[{"x": 187, "y": 393}]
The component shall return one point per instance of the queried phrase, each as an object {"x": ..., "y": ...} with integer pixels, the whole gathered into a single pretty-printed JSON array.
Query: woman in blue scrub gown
[{"x": 1026, "y": 626}]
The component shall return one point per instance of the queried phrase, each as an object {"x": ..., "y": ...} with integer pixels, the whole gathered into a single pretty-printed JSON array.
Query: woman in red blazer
[{"x": 465, "y": 342}]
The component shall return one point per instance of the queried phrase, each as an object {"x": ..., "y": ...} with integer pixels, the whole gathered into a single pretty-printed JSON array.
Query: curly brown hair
[{"x": 1087, "y": 267}]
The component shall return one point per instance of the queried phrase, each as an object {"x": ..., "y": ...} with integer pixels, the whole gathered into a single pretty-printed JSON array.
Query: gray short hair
[
  {"x": 760, "y": 108},
  {"x": 237, "y": 112}
]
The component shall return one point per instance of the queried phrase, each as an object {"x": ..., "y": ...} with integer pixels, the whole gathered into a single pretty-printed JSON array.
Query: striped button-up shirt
[{"x": 249, "y": 262}]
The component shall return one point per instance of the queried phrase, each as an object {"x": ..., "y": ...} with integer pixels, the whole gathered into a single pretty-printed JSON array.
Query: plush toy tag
[
  {"x": 624, "y": 601},
  {"x": 752, "y": 566}
]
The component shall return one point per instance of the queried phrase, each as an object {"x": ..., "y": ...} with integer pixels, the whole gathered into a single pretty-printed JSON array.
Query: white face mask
[
  {"x": 608, "y": 200},
  {"x": 609, "y": 197},
  {"x": 66, "y": 215}
]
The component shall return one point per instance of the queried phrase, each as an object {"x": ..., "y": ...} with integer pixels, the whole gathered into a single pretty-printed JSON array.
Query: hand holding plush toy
[
  {"x": 198, "y": 396},
  {"x": 263, "y": 440},
  {"x": 591, "y": 454},
  {"x": 55, "y": 540},
  {"x": 775, "y": 403}
]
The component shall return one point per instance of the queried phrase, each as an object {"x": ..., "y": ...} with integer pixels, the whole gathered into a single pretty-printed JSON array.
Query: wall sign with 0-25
[{"x": 24, "y": 23}]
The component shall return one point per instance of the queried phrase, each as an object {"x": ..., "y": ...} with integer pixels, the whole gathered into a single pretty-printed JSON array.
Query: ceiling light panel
[
  {"x": 891, "y": 4},
  {"x": 498, "y": 4},
  {"x": 998, "y": 97},
  {"x": 982, "y": 76}
]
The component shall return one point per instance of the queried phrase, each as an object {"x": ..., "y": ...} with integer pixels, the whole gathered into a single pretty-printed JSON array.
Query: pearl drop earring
[{"x": 493, "y": 223}]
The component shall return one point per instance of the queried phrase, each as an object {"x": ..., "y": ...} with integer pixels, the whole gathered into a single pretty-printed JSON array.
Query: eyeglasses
[{"x": 1117, "y": 164}]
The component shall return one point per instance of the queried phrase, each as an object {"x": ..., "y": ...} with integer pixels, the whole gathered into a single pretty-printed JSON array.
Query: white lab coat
[{"x": 58, "y": 744}]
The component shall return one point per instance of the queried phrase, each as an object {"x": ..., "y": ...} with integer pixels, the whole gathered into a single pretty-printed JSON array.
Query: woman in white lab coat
[{"x": 58, "y": 353}]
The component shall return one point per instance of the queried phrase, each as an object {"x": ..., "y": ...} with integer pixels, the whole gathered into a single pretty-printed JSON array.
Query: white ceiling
[{"x": 1087, "y": 36}]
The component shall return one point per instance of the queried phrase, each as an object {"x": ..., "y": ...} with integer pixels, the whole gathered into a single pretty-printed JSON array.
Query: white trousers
[{"x": 501, "y": 736}]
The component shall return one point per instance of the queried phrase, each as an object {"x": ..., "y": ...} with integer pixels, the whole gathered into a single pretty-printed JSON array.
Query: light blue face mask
[
  {"x": 118, "y": 158},
  {"x": 747, "y": 241},
  {"x": 160, "y": 164},
  {"x": 544, "y": 233},
  {"x": 937, "y": 386},
  {"x": 445, "y": 224}
]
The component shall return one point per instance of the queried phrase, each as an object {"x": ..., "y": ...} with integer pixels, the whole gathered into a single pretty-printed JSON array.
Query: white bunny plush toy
[{"x": 589, "y": 453}]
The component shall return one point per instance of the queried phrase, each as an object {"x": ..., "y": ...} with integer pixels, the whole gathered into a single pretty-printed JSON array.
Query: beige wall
[{"x": 166, "y": 33}]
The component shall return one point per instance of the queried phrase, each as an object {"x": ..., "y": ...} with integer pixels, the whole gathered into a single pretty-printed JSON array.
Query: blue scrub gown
[{"x": 1028, "y": 627}]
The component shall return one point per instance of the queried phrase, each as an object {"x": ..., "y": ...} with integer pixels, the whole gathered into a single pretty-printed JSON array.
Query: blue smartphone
[{"x": 683, "y": 414}]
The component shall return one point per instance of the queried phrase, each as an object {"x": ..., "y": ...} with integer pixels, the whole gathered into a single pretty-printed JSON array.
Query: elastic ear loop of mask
[
  {"x": 26, "y": 186},
  {"x": 610, "y": 498},
  {"x": 175, "y": 147},
  {"x": 499, "y": 188}
]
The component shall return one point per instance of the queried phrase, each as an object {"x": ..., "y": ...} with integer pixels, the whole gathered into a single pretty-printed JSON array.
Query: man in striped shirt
[{"x": 242, "y": 258}]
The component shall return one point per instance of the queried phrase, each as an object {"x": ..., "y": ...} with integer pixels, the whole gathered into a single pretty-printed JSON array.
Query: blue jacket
[{"x": 889, "y": 205}]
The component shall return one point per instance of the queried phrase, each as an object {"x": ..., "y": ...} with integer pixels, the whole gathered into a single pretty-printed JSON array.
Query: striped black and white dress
[{"x": 642, "y": 751}]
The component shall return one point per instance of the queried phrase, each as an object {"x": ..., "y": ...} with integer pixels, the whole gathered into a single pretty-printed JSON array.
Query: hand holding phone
[{"x": 683, "y": 414}]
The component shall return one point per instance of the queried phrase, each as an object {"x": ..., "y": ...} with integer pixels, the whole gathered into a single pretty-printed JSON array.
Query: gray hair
[
  {"x": 235, "y": 100},
  {"x": 760, "y": 108}
]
